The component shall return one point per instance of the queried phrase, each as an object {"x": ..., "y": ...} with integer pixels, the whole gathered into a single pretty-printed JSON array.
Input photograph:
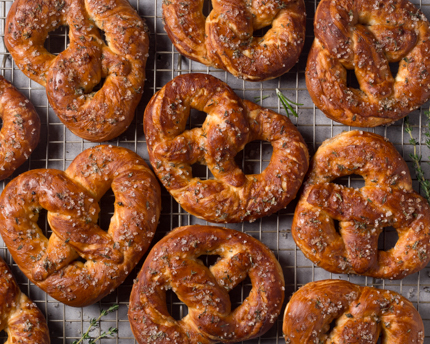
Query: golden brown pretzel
[
  {"x": 231, "y": 123},
  {"x": 23, "y": 322},
  {"x": 173, "y": 263},
  {"x": 70, "y": 77},
  {"x": 20, "y": 131},
  {"x": 387, "y": 199},
  {"x": 361, "y": 315},
  {"x": 367, "y": 35},
  {"x": 71, "y": 200},
  {"x": 225, "y": 39}
]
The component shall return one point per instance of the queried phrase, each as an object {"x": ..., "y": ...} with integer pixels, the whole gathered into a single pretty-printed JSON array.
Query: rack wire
[{"x": 59, "y": 146}]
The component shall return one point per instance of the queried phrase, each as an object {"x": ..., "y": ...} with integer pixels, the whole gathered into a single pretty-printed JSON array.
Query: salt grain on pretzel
[
  {"x": 70, "y": 77},
  {"x": 366, "y": 36},
  {"x": 231, "y": 123},
  {"x": 20, "y": 131},
  {"x": 174, "y": 264},
  {"x": 71, "y": 199},
  {"x": 23, "y": 322},
  {"x": 387, "y": 199},
  {"x": 225, "y": 39},
  {"x": 357, "y": 314}
]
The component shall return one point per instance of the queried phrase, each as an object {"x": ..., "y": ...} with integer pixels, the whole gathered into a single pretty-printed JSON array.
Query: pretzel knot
[
  {"x": 71, "y": 76},
  {"x": 225, "y": 39},
  {"x": 173, "y": 264},
  {"x": 231, "y": 123},
  {"x": 387, "y": 199},
  {"x": 71, "y": 198},
  {"x": 366, "y": 36},
  {"x": 19, "y": 316},
  {"x": 359, "y": 314},
  {"x": 20, "y": 131}
]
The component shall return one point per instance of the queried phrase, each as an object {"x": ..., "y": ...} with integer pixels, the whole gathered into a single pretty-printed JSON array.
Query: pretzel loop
[
  {"x": 360, "y": 314},
  {"x": 71, "y": 199},
  {"x": 225, "y": 38},
  {"x": 71, "y": 76},
  {"x": 174, "y": 264},
  {"x": 231, "y": 123},
  {"x": 387, "y": 199},
  {"x": 366, "y": 36}
]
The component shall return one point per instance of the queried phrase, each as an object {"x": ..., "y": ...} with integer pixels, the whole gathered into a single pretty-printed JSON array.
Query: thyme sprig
[
  {"x": 257, "y": 99},
  {"x": 286, "y": 103},
  {"x": 94, "y": 322},
  {"x": 416, "y": 159}
]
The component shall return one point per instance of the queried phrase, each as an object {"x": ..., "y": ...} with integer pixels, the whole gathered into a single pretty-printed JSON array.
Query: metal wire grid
[{"x": 59, "y": 146}]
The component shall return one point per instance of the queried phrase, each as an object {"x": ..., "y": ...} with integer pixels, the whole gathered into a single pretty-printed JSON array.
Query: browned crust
[
  {"x": 173, "y": 263},
  {"x": 70, "y": 77},
  {"x": 71, "y": 198},
  {"x": 231, "y": 123},
  {"x": 225, "y": 38},
  {"x": 366, "y": 36},
  {"x": 361, "y": 314},
  {"x": 387, "y": 199},
  {"x": 19, "y": 316},
  {"x": 20, "y": 131}
]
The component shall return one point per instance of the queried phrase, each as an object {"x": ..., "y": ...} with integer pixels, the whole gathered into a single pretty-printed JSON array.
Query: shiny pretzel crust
[
  {"x": 387, "y": 199},
  {"x": 71, "y": 198},
  {"x": 231, "y": 123},
  {"x": 20, "y": 131},
  {"x": 367, "y": 35},
  {"x": 361, "y": 315},
  {"x": 23, "y": 322},
  {"x": 174, "y": 263},
  {"x": 225, "y": 39},
  {"x": 70, "y": 77}
]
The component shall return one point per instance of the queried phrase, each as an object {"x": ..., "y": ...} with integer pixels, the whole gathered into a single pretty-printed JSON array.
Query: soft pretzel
[
  {"x": 387, "y": 199},
  {"x": 174, "y": 264},
  {"x": 367, "y": 35},
  {"x": 71, "y": 198},
  {"x": 23, "y": 322},
  {"x": 360, "y": 315},
  {"x": 225, "y": 39},
  {"x": 20, "y": 131},
  {"x": 231, "y": 123},
  {"x": 70, "y": 77}
]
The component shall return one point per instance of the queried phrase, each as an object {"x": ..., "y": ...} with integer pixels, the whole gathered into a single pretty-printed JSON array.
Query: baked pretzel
[
  {"x": 71, "y": 76},
  {"x": 23, "y": 322},
  {"x": 360, "y": 315},
  {"x": 225, "y": 39},
  {"x": 71, "y": 199},
  {"x": 387, "y": 199},
  {"x": 20, "y": 131},
  {"x": 367, "y": 35},
  {"x": 174, "y": 263},
  {"x": 231, "y": 123}
]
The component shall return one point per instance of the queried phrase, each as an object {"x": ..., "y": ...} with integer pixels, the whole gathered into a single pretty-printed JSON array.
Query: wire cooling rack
[{"x": 59, "y": 146}]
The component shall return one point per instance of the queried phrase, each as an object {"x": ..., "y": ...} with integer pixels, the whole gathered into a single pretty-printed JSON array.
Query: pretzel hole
[
  {"x": 336, "y": 226},
  {"x": 394, "y": 68},
  {"x": 176, "y": 307},
  {"x": 239, "y": 293},
  {"x": 107, "y": 208},
  {"x": 207, "y": 8},
  {"x": 255, "y": 157},
  {"x": 196, "y": 118},
  {"x": 57, "y": 40},
  {"x": 352, "y": 81},
  {"x": 209, "y": 260},
  {"x": 388, "y": 239},
  {"x": 42, "y": 222}
]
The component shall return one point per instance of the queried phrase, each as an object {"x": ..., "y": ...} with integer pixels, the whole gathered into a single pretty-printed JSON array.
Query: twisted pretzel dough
[
  {"x": 23, "y": 322},
  {"x": 70, "y": 77},
  {"x": 173, "y": 263},
  {"x": 20, "y": 131},
  {"x": 231, "y": 123},
  {"x": 387, "y": 199},
  {"x": 71, "y": 200},
  {"x": 361, "y": 315},
  {"x": 367, "y": 35},
  {"x": 225, "y": 39}
]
